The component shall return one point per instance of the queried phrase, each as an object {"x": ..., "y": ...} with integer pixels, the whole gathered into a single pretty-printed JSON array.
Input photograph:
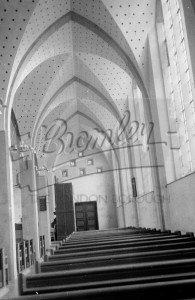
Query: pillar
[
  {"x": 161, "y": 153},
  {"x": 118, "y": 191},
  {"x": 44, "y": 219},
  {"x": 30, "y": 223},
  {"x": 7, "y": 226},
  {"x": 51, "y": 195}
]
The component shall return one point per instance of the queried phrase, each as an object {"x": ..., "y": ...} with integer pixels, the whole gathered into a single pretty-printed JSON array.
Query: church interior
[{"x": 97, "y": 149}]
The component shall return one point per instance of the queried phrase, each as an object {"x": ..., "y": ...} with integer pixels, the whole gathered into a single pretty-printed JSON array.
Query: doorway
[
  {"x": 86, "y": 216},
  {"x": 65, "y": 222}
]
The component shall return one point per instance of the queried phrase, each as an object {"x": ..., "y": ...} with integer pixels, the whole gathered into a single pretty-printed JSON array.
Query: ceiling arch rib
[
  {"x": 135, "y": 19},
  {"x": 98, "y": 113},
  {"x": 73, "y": 66},
  {"x": 116, "y": 81},
  {"x": 48, "y": 12},
  {"x": 45, "y": 13},
  {"x": 41, "y": 67},
  {"x": 29, "y": 96},
  {"x": 86, "y": 85},
  {"x": 74, "y": 38},
  {"x": 95, "y": 77},
  {"x": 70, "y": 107},
  {"x": 84, "y": 118},
  {"x": 14, "y": 16},
  {"x": 101, "y": 114},
  {"x": 60, "y": 42},
  {"x": 86, "y": 23},
  {"x": 83, "y": 71},
  {"x": 65, "y": 73}
]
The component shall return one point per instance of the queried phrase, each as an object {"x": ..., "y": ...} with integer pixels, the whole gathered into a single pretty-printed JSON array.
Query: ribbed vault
[{"x": 72, "y": 58}]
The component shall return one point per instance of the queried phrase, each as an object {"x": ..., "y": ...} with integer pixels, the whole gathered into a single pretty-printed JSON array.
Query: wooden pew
[
  {"x": 73, "y": 243},
  {"x": 25, "y": 255},
  {"x": 106, "y": 240},
  {"x": 132, "y": 242},
  {"x": 129, "y": 274},
  {"x": 178, "y": 289},
  {"x": 128, "y": 249},
  {"x": 115, "y": 259},
  {"x": 96, "y": 237},
  {"x": 137, "y": 265}
]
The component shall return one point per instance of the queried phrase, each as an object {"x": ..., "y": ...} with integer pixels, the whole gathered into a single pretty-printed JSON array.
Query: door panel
[
  {"x": 64, "y": 210},
  {"x": 86, "y": 216}
]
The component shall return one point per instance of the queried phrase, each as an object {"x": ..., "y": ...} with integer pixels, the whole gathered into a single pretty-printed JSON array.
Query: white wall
[
  {"x": 94, "y": 186},
  {"x": 179, "y": 205},
  {"x": 147, "y": 210},
  {"x": 99, "y": 188}
]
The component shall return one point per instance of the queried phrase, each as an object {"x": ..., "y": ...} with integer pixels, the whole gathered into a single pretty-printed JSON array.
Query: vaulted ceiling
[{"x": 71, "y": 60}]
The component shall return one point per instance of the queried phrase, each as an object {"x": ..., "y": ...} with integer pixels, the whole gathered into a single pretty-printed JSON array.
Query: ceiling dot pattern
[
  {"x": 97, "y": 12},
  {"x": 83, "y": 71},
  {"x": 14, "y": 16},
  {"x": 73, "y": 67},
  {"x": 58, "y": 43},
  {"x": 116, "y": 81},
  {"x": 69, "y": 107},
  {"x": 54, "y": 115},
  {"x": 76, "y": 92},
  {"x": 64, "y": 97},
  {"x": 135, "y": 19},
  {"x": 85, "y": 93},
  {"x": 79, "y": 70},
  {"x": 85, "y": 107},
  {"x": 44, "y": 14},
  {"x": 85, "y": 41},
  {"x": 65, "y": 73},
  {"x": 31, "y": 92},
  {"x": 104, "y": 116}
]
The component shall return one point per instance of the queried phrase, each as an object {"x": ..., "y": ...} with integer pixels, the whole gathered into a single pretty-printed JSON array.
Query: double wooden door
[{"x": 86, "y": 216}]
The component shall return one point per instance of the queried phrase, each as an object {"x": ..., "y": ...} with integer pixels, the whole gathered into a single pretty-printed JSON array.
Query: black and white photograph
[{"x": 97, "y": 149}]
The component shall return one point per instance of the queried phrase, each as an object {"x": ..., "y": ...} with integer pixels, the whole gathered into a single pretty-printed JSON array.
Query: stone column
[
  {"x": 162, "y": 154},
  {"x": 118, "y": 191},
  {"x": 44, "y": 220},
  {"x": 51, "y": 195},
  {"x": 29, "y": 203},
  {"x": 7, "y": 226}
]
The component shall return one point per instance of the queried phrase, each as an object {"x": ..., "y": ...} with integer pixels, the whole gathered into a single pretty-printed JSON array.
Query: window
[
  {"x": 73, "y": 163},
  {"x": 179, "y": 103},
  {"x": 42, "y": 202},
  {"x": 90, "y": 161},
  {"x": 82, "y": 172},
  {"x": 99, "y": 170},
  {"x": 65, "y": 173}
]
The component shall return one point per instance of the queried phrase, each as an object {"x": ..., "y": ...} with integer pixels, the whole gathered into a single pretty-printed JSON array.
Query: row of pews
[
  {"x": 25, "y": 253},
  {"x": 125, "y": 263}
]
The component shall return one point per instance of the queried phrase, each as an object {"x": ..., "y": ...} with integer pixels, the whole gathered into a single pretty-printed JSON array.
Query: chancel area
[{"x": 97, "y": 149}]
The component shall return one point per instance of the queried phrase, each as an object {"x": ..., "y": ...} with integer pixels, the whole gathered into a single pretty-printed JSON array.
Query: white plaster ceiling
[{"x": 61, "y": 58}]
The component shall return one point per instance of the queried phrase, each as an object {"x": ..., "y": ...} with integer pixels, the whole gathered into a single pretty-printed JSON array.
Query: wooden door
[
  {"x": 86, "y": 216},
  {"x": 64, "y": 210}
]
